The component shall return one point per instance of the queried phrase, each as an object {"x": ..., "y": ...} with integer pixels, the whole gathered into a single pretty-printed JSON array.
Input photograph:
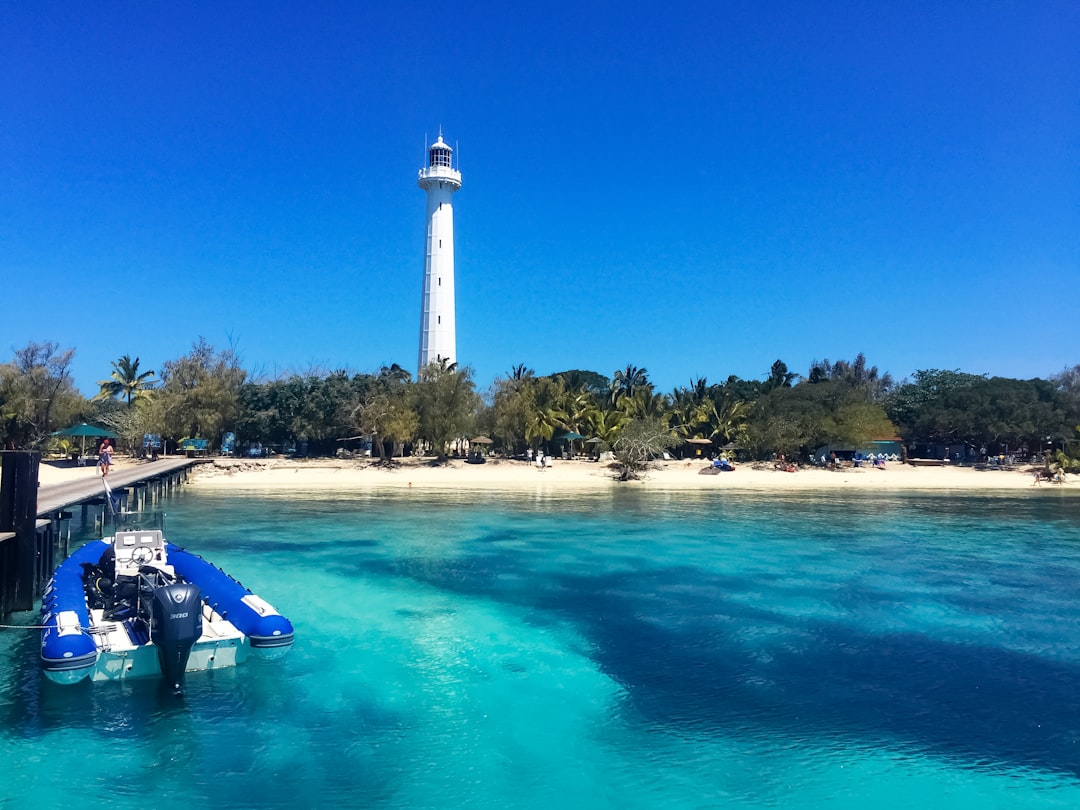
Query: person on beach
[{"x": 105, "y": 457}]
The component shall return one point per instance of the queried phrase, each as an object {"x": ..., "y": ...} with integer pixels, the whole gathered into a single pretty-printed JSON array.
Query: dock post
[
  {"x": 18, "y": 515},
  {"x": 63, "y": 532}
]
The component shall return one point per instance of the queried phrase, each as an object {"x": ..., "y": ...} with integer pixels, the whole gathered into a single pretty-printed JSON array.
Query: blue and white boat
[{"x": 135, "y": 605}]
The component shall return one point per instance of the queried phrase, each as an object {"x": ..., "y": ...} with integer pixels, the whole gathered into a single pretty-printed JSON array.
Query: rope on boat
[{"x": 26, "y": 626}]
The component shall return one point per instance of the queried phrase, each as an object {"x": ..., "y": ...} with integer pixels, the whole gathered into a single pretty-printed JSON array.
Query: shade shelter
[
  {"x": 476, "y": 455},
  {"x": 82, "y": 430},
  {"x": 699, "y": 442},
  {"x": 571, "y": 437}
]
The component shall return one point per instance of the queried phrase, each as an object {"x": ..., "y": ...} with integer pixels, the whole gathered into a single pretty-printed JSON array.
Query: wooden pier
[{"x": 35, "y": 521}]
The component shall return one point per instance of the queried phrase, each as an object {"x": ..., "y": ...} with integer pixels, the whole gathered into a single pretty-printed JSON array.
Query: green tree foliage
[
  {"x": 200, "y": 393},
  {"x": 993, "y": 412},
  {"x": 546, "y": 413},
  {"x": 590, "y": 382},
  {"x": 742, "y": 390},
  {"x": 779, "y": 377},
  {"x": 317, "y": 410},
  {"x": 910, "y": 401},
  {"x": 726, "y": 420},
  {"x": 626, "y": 383},
  {"x": 646, "y": 404},
  {"x": 796, "y": 420},
  {"x": 385, "y": 411},
  {"x": 125, "y": 381},
  {"x": 605, "y": 424},
  {"x": 511, "y": 401},
  {"x": 855, "y": 373},
  {"x": 520, "y": 373},
  {"x": 446, "y": 405},
  {"x": 130, "y": 423},
  {"x": 638, "y": 442},
  {"x": 37, "y": 395},
  {"x": 708, "y": 412}
]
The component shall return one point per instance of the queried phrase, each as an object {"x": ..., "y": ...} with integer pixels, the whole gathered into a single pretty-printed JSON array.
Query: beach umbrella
[
  {"x": 481, "y": 440},
  {"x": 82, "y": 430},
  {"x": 570, "y": 436}
]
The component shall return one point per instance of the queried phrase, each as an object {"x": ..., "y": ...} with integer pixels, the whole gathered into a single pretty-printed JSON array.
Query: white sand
[{"x": 330, "y": 474}]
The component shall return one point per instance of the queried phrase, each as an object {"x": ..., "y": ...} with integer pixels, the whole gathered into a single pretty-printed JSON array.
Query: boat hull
[
  {"x": 142, "y": 661},
  {"x": 78, "y": 642}
]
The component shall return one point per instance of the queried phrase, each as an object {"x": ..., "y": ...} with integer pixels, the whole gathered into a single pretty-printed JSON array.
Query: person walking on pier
[{"x": 105, "y": 457}]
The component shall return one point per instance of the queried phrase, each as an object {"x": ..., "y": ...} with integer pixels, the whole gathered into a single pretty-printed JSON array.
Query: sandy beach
[
  {"x": 333, "y": 474},
  {"x": 497, "y": 474}
]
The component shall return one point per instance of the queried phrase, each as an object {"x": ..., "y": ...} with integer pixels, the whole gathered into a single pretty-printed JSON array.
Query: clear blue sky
[{"x": 696, "y": 188}]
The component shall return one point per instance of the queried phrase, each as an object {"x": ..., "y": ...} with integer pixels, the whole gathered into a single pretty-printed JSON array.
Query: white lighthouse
[{"x": 438, "y": 333}]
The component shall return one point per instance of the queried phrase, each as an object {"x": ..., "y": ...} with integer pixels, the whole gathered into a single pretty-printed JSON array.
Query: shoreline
[
  {"x": 279, "y": 474},
  {"x": 673, "y": 475}
]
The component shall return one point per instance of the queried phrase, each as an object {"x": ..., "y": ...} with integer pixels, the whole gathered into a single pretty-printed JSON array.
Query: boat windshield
[{"x": 138, "y": 521}]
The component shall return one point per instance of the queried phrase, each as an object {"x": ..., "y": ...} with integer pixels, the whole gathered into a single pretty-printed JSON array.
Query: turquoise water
[{"x": 618, "y": 650}]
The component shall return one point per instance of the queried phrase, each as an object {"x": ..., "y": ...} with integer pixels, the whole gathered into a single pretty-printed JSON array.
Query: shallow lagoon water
[{"x": 622, "y": 649}]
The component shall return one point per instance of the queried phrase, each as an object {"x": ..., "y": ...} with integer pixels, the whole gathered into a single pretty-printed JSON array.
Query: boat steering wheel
[{"x": 142, "y": 555}]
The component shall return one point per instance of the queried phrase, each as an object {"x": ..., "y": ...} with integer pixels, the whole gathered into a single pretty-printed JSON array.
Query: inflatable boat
[{"x": 135, "y": 605}]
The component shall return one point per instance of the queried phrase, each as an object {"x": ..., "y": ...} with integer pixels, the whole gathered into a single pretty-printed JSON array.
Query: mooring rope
[{"x": 25, "y": 626}]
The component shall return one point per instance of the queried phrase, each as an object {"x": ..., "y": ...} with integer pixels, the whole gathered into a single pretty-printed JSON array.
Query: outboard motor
[{"x": 176, "y": 624}]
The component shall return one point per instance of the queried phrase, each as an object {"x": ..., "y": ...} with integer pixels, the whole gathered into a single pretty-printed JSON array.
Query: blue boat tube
[
  {"x": 68, "y": 653},
  {"x": 270, "y": 634}
]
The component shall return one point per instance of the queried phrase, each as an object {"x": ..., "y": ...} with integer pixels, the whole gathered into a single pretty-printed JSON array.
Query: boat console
[{"x": 138, "y": 549}]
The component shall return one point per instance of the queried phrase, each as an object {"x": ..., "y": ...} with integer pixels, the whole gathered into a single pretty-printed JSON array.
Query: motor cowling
[{"x": 176, "y": 624}]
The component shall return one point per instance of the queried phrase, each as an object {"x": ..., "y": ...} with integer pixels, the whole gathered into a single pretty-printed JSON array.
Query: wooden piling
[{"x": 18, "y": 529}]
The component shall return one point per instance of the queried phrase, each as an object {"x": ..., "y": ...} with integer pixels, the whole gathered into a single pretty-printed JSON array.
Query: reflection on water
[{"x": 618, "y": 649}]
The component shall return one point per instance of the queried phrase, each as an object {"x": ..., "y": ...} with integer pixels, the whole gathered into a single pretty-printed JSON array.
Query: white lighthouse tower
[{"x": 438, "y": 333}]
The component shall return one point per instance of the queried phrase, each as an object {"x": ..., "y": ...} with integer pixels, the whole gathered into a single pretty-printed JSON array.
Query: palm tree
[
  {"x": 779, "y": 376},
  {"x": 647, "y": 405},
  {"x": 727, "y": 419},
  {"x": 690, "y": 406},
  {"x": 546, "y": 414},
  {"x": 605, "y": 425},
  {"x": 629, "y": 382},
  {"x": 519, "y": 376},
  {"x": 521, "y": 372},
  {"x": 125, "y": 381}
]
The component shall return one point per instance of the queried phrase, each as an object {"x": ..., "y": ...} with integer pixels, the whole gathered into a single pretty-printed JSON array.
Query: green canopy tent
[
  {"x": 570, "y": 436},
  {"x": 82, "y": 430}
]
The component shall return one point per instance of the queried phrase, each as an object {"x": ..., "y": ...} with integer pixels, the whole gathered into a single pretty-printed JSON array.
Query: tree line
[{"x": 842, "y": 403}]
